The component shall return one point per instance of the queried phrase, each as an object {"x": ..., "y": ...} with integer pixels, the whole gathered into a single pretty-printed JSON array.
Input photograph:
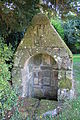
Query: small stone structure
[{"x": 43, "y": 63}]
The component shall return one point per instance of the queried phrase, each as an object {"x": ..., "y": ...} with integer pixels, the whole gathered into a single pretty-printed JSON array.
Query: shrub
[
  {"x": 72, "y": 35},
  {"x": 58, "y": 26},
  {"x": 7, "y": 95},
  {"x": 6, "y": 52}
]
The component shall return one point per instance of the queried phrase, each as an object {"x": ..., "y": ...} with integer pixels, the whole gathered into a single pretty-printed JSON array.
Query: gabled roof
[{"x": 43, "y": 33}]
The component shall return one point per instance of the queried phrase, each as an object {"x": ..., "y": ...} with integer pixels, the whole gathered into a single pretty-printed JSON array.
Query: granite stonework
[{"x": 41, "y": 61}]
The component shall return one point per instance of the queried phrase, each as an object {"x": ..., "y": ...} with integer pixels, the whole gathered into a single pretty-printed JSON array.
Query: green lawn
[{"x": 76, "y": 58}]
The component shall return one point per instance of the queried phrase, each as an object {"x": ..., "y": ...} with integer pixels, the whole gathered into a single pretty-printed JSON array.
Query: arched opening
[{"x": 42, "y": 77}]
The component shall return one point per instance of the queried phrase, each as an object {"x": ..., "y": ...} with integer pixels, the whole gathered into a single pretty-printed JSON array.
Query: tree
[
  {"x": 64, "y": 8},
  {"x": 72, "y": 35},
  {"x": 15, "y": 15}
]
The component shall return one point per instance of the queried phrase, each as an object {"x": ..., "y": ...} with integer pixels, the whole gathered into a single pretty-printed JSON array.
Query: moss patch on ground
[
  {"x": 32, "y": 107},
  {"x": 46, "y": 105}
]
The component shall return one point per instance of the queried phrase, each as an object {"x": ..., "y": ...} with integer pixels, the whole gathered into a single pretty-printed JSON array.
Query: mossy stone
[{"x": 65, "y": 83}]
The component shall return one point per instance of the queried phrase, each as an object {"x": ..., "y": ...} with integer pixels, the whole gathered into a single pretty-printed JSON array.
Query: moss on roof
[
  {"x": 40, "y": 19},
  {"x": 50, "y": 35}
]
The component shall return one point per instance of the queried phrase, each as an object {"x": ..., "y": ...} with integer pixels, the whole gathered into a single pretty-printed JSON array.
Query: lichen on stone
[{"x": 65, "y": 83}]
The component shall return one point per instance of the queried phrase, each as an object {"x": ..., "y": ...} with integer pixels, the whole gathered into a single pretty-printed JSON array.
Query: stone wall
[
  {"x": 43, "y": 77},
  {"x": 42, "y": 39}
]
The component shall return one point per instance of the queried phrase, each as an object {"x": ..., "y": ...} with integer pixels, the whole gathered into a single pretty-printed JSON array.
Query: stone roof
[
  {"x": 40, "y": 19},
  {"x": 42, "y": 34}
]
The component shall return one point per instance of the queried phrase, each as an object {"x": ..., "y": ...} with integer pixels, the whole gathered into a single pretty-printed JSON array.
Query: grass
[{"x": 76, "y": 58}]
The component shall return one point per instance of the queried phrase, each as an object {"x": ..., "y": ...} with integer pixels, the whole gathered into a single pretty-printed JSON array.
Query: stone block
[
  {"x": 24, "y": 58},
  {"x": 54, "y": 75},
  {"x": 16, "y": 76},
  {"x": 35, "y": 74},
  {"x": 50, "y": 92},
  {"x": 55, "y": 72},
  {"x": 46, "y": 73},
  {"x": 17, "y": 61},
  {"x": 36, "y": 81},
  {"x": 69, "y": 74},
  {"x": 52, "y": 61},
  {"x": 66, "y": 63},
  {"x": 55, "y": 51},
  {"x": 55, "y": 67},
  {"x": 46, "y": 67},
  {"x": 40, "y": 74},
  {"x": 63, "y": 52},
  {"x": 38, "y": 93},
  {"x": 46, "y": 59},
  {"x": 37, "y": 60},
  {"x": 61, "y": 74},
  {"x": 52, "y": 82},
  {"x": 46, "y": 81}
]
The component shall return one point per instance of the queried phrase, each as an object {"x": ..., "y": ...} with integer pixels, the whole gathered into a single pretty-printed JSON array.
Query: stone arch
[{"x": 41, "y": 77}]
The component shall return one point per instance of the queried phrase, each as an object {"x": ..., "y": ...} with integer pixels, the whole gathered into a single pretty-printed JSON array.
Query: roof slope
[{"x": 42, "y": 34}]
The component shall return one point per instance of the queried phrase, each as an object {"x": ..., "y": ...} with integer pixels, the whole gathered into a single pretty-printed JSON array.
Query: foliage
[
  {"x": 58, "y": 26},
  {"x": 6, "y": 94},
  {"x": 69, "y": 31},
  {"x": 15, "y": 15},
  {"x": 64, "y": 8},
  {"x": 6, "y": 55},
  {"x": 14, "y": 39},
  {"x": 6, "y": 52},
  {"x": 72, "y": 35},
  {"x": 4, "y": 73},
  {"x": 8, "y": 97}
]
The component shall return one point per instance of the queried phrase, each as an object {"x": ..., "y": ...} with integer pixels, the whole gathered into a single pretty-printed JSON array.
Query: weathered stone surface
[
  {"x": 46, "y": 81},
  {"x": 38, "y": 93},
  {"x": 36, "y": 81},
  {"x": 69, "y": 74},
  {"x": 42, "y": 60},
  {"x": 46, "y": 67}
]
